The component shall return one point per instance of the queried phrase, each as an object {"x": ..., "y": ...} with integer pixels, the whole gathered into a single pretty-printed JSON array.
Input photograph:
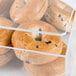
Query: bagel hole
[
  {"x": 49, "y": 42},
  {"x": 37, "y": 46},
  {"x": 39, "y": 37}
]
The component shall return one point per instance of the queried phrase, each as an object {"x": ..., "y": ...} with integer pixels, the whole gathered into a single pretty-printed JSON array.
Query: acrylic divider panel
[
  {"x": 39, "y": 48},
  {"x": 35, "y": 45},
  {"x": 56, "y": 17},
  {"x": 38, "y": 35},
  {"x": 70, "y": 59},
  {"x": 30, "y": 36},
  {"x": 71, "y": 3}
]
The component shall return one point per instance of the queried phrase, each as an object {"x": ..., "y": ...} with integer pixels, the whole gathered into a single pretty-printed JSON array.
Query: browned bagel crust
[
  {"x": 58, "y": 14},
  {"x": 55, "y": 68},
  {"x": 5, "y": 34},
  {"x": 24, "y": 10},
  {"x": 6, "y": 58},
  {"x": 26, "y": 40}
]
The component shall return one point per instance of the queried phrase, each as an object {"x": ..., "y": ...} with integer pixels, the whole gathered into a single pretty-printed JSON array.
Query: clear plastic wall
[{"x": 34, "y": 38}]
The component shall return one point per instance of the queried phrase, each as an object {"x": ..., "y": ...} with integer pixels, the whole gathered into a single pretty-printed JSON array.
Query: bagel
[
  {"x": 64, "y": 49},
  {"x": 58, "y": 16},
  {"x": 4, "y": 50},
  {"x": 38, "y": 42},
  {"x": 55, "y": 68},
  {"x": 5, "y": 34},
  {"x": 60, "y": 4},
  {"x": 6, "y": 58},
  {"x": 24, "y": 10},
  {"x": 4, "y": 5},
  {"x": 73, "y": 16}
]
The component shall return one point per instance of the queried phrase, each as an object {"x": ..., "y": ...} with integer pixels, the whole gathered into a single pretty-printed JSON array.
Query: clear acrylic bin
[{"x": 34, "y": 44}]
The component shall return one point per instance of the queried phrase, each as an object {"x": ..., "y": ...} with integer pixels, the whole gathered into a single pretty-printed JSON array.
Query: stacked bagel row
[
  {"x": 6, "y": 55},
  {"x": 28, "y": 14}
]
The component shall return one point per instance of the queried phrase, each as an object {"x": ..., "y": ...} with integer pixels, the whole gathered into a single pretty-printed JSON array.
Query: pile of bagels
[{"x": 37, "y": 15}]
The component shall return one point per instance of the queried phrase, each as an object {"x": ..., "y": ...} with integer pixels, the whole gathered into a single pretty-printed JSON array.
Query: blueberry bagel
[
  {"x": 55, "y": 68},
  {"x": 58, "y": 14},
  {"x": 36, "y": 41}
]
